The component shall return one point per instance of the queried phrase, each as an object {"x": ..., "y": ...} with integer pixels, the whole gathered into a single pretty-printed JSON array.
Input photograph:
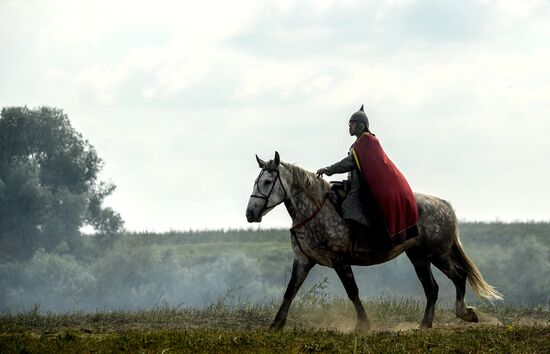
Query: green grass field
[
  {"x": 158, "y": 271},
  {"x": 315, "y": 324}
]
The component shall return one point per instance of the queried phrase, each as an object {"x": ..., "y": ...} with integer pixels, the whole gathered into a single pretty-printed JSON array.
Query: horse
[{"x": 320, "y": 236}]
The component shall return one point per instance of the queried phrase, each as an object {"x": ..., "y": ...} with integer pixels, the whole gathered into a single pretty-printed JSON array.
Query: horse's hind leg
[
  {"x": 345, "y": 274},
  {"x": 431, "y": 289},
  {"x": 445, "y": 265}
]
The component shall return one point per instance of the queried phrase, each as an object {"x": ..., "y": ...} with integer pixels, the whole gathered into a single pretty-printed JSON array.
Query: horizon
[{"x": 282, "y": 228}]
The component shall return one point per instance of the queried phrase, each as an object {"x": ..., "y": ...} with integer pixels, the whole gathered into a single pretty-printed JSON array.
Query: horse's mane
[{"x": 307, "y": 180}]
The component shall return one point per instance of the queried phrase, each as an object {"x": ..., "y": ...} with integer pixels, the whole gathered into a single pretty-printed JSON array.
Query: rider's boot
[{"x": 359, "y": 236}]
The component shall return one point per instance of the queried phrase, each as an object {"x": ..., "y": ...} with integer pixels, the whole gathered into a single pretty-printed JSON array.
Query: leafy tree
[{"x": 49, "y": 185}]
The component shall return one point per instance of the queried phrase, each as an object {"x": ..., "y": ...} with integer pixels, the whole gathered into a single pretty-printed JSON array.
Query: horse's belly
[
  {"x": 373, "y": 256},
  {"x": 330, "y": 254},
  {"x": 326, "y": 251}
]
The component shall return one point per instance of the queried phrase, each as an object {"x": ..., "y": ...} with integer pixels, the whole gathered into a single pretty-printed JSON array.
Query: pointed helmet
[{"x": 360, "y": 117}]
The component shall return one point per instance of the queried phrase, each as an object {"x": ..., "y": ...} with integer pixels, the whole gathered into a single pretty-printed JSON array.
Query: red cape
[{"x": 388, "y": 186}]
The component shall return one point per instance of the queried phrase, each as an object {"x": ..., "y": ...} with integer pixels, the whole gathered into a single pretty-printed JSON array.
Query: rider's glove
[{"x": 321, "y": 171}]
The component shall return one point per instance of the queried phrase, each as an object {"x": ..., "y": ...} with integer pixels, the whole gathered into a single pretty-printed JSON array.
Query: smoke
[
  {"x": 195, "y": 270},
  {"x": 60, "y": 283}
]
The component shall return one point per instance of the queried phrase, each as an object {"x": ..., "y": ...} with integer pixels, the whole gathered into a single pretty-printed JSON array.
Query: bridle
[
  {"x": 267, "y": 208},
  {"x": 265, "y": 197}
]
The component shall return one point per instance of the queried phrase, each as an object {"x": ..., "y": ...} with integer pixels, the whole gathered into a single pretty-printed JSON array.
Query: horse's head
[{"x": 269, "y": 189}]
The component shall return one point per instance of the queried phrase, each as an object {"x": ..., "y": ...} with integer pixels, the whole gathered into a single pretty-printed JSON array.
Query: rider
[{"x": 379, "y": 199}]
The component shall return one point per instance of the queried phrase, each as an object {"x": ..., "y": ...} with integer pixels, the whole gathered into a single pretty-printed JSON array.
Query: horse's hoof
[
  {"x": 425, "y": 325},
  {"x": 470, "y": 315},
  {"x": 362, "y": 327},
  {"x": 276, "y": 326}
]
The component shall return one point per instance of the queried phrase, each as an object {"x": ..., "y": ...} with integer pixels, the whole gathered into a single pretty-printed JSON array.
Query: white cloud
[
  {"x": 516, "y": 8},
  {"x": 11, "y": 14},
  {"x": 171, "y": 93}
]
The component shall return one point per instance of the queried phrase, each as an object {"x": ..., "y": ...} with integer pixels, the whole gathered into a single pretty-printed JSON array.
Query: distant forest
[{"x": 198, "y": 268}]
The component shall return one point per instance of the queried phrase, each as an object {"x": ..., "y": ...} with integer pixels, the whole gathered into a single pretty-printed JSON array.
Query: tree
[{"x": 49, "y": 185}]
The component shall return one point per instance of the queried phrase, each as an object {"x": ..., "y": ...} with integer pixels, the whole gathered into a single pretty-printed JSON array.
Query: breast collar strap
[
  {"x": 311, "y": 217},
  {"x": 303, "y": 223}
]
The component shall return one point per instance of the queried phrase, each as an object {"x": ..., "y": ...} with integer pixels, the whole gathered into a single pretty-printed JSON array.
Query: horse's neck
[
  {"x": 302, "y": 203},
  {"x": 300, "y": 206}
]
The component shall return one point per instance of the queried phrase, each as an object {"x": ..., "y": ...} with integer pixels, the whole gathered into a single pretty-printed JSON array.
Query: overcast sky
[{"x": 178, "y": 96}]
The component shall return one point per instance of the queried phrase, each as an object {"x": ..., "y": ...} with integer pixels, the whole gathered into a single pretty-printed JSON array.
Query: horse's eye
[{"x": 267, "y": 183}]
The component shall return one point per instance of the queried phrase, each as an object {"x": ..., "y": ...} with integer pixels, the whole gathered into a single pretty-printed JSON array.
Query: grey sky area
[{"x": 178, "y": 96}]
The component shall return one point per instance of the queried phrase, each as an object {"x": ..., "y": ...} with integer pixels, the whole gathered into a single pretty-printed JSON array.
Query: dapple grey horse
[{"x": 320, "y": 236}]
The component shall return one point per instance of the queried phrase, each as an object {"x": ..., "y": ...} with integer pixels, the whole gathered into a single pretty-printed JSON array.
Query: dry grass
[{"x": 315, "y": 324}]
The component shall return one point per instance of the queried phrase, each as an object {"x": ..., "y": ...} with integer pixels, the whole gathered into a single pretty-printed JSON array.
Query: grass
[
  {"x": 315, "y": 324},
  {"x": 464, "y": 340}
]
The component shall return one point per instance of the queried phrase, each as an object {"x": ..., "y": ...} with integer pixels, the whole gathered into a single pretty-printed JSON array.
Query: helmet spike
[{"x": 361, "y": 109}]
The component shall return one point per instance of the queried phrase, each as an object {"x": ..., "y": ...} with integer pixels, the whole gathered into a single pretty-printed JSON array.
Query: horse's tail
[{"x": 475, "y": 280}]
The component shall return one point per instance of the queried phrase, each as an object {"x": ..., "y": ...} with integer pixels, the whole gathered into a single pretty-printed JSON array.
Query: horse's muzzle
[{"x": 250, "y": 217}]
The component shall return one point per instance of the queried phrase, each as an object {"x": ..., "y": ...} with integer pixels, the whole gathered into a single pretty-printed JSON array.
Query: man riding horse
[
  {"x": 379, "y": 200},
  {"x": 319, "y": 235}
]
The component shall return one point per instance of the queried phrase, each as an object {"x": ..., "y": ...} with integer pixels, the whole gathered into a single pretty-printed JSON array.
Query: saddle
[{"x": 378, "y": 240}]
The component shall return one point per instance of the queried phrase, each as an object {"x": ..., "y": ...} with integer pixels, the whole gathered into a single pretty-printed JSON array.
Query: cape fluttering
[{"x": 388, "y": 186}]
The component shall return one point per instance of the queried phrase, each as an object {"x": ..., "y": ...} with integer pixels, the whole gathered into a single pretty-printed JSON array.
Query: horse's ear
[
  {"x": 276, "y": 160},
  {"x": 261, "y": 162}
]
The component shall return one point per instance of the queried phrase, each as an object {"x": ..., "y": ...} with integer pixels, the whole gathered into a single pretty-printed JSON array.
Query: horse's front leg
[
  {"x": 300, "y": 269},
  {"x": 345, "y": 274}
]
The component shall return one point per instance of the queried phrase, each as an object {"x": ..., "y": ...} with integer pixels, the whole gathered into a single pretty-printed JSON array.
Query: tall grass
[
  {"x": 314, "y": 325},
  {"x": 313, "y": 309}
]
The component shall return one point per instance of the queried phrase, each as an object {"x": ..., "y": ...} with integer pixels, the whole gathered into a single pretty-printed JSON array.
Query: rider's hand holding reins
[{"x": 320, "y": 172}]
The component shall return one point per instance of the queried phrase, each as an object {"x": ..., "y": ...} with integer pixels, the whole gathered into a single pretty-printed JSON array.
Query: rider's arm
[{"x": 347, "y": 164}]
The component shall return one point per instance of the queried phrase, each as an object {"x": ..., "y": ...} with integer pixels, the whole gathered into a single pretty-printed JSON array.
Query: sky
[{"x": 178, "y": 96}]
